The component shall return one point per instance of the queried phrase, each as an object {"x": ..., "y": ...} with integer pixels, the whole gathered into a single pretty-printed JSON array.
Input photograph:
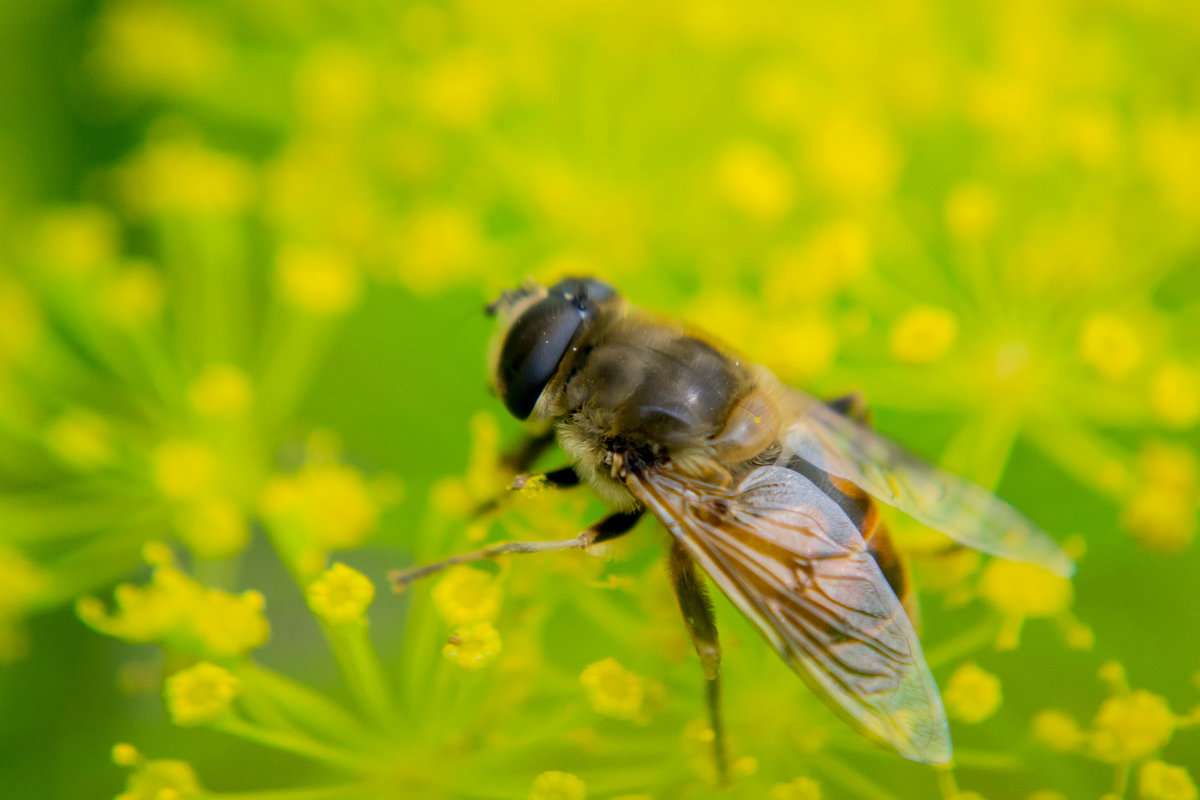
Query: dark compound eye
[{"x": 541, "y": 336}]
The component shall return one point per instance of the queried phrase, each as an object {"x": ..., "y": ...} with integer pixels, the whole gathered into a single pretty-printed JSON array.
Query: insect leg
[
  {"x": 852, "y": 406},
  {"x": 564, "y": 478},
  {"x": 610, "y": 527},
  {"x": 524, "y": 455},
  {"x": 697, "y": 612}
]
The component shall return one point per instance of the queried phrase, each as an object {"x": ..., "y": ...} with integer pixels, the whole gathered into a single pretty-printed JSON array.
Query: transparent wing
[
  {"x": 962, "y": 510},
  {"x": 792, "y": 561}
]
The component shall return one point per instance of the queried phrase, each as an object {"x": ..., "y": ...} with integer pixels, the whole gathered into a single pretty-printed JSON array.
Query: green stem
[
  {"x": 978, "y": 637},
  {"x": 296, "y": 743},
  {"x": 362, "y": 671},
  {"x": 313, "y": 793},
  {"x": 308, "y": 707},
  {"x": 852, "y": 779}
]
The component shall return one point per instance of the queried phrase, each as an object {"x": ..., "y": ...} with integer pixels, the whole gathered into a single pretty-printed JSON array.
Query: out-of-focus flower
[
  {"x": 799, "y": 789},
  {"x": 1022, "y": 591},
  {"x": 467, "y": 595},
  {"x": 614, "y": 691},
  {"x": 341, "y": 595},
  {"x": 923, "y": 335},
  {"x": 472, "y": 647},
  {"x": 1159, "y": 781},
  {"x": 157, "y": 779},
  {"x": 558, "y": 786},
  {"x": 1131, "y": 726},
  {"x": 972, "y": 695},
  {"x": 322, "y": 283},
  {"x": 220, "y": 390},
  {"x": 199, "y": 694},
  {"x": 1057, "y": 730},
  {"x": 1110, "y": 344}
]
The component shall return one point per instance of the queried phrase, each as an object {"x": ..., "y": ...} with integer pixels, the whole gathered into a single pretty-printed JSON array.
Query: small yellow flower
[
  {"x": 1057, "y": 730},
  {"x": 213, "y": 527},
  {"x": 20, "y": 582},
  {"x": 131, "y": 297},
  {"x": 1175, "y": 395},
  {"x": 154, "y": 46},
  {"x": 1161, "y": 517},
  {"x": 614, "y": 691},
  {"x": 472, "y": 647},
  {"x": 341, "y": 595},
  {"x": 557, "y": 786},
  {"x": 799, "y": 789},
  {"x": 755, "y": 181},
  {"x": 853, "y": 157},
  {"x": 460, "y": 89},
  {"x": 1159, "y": 781},
  {"x": 77, "y": 241},
  {"x": 467, "y": 595},
  {"x": 221, "y": 390},
  {"x": 183, "y": 469},
  {"x": 1046, "y": 794},
  {"x": 972, "y": 694},
  {"x": 1023, "y": 590},
  {"x": 335, "y": 87},
  {"x": 174, "y": 175},
  {"x": 439, "y": 247},
  {"x": 163, "y": 779},
  {"x": 1110, "y": 345},
  {"x": 228, "y": 624},
  {"x": 320, "y": 282},
  {"x": 125, "y": 755},
  {"x": 923, "y": 335},
  {"x": 82, "y": 439},
  {"x": 1131, "y": 726},
  {"x": 971, "y": 211},
  {"x": 330, "y": 503},
  {"x": 199, "y": 694},
  {"x": 23, "y": 323}
]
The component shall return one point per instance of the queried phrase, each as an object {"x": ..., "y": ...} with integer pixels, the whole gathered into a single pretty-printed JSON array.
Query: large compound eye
[
  {"x": 536, "y": 343},
  {"x": 584, "y": 293}
]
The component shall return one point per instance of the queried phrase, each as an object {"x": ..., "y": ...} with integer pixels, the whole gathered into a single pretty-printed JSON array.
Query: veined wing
[
  {"x": 964, "y": 511},
  {"x": 792, "y": 561}
]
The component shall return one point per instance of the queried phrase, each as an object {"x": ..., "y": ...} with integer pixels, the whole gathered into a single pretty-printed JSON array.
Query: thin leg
[
  {"x": 853, "y": 406},
  {"x": 702, "y": 626},
  {"x": 608, "y": 528}
]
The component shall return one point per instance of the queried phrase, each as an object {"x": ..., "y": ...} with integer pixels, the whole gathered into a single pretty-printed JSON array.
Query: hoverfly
[{"x": 769, "y": 490}]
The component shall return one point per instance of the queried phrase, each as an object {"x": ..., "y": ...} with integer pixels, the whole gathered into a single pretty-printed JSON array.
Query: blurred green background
[{"x": 243, "y": 251}]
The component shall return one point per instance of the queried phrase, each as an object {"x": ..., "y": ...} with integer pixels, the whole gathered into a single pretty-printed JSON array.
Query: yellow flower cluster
[
  {"x": 1159, "y": 781},
  {"x": 174, "y": 608},
  {"x": 1022, "y": 591},
  {"x": 328, "y": 506},
  {"x": 158, "y": 779},
  {"x": 1161, "y": 514},
  {"x": 199, "y": 694}
]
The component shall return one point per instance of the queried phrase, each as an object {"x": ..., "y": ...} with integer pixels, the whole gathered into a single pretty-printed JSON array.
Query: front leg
[
  {"x": 606, "y": 529},
  {"x": 697, "y": 611}
]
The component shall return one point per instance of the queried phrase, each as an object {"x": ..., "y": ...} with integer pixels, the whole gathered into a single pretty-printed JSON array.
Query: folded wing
[
  {"x": 962, "y": 510},
  {"x": 792, "y": 561}
]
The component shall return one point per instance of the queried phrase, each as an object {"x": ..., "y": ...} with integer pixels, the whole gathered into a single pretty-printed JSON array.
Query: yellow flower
[
  {"x": 1057, "y": 730},
  {"x": 183, "y": 469},
  {"x": 221, "y": 390},
  {"x": 149, "y": 45},
  {"x": 972, "y": 694},
  {"x": 854, "y": 158},
  {"x": 320, "y": 282},
  {"x": 755, "y": 181},
  {"x": 162, "y": 779},
  {"x": 1159, "y": 781},
  {"x": 341, "y": 595},
  {"x": 227, "y": 624},
  {"x": 472, "y": 647},
  {"x": 440, "y": 246},
  {"x": 1023, "y": 590},
  {"x": 22, "y": 326},
  {"x": 331, "y": 503},
  {"x": 335, "y": 87},
  {"x": 1110, "y": 345},
  {"x": 77, "y": 241},
  {"x": 460, "y": 90},
  {"x": 1131, "y": 726},
  {"x": 971, "y": 212},
  {"x": 1161, "y": 517},
  {"x": 467, "y": 595},
  {"x": 923, "y": 335},
  {"x": 1046, "y": 794},
  {"x": 125, "y": 755},
  {"x": 131, "y": 297},
  {"x": 20, "y": 582},
  {"x": 799, "y": 789},
  {"x": 175, "y": 175},
  {"x": 81, "y": 438},
  {"x": 199, "y": 694},
  {"x": 557, "y": 786},
  {"x": 614, "y": 691},
  {"x": 1175, "y": 395},
  {"x": 213, "y": 527}
]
